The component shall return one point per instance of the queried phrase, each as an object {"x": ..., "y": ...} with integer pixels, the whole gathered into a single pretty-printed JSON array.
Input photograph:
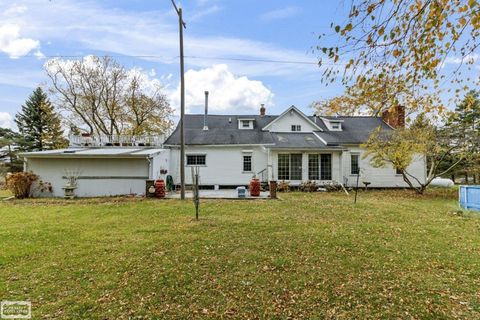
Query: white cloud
[
  {"x": 16, "y": 9},
  {"x": 228, "y": 92},
  {"x": 6, "y": 120},
  {"x": 203, "y": 13},
  {"x": 469, "y": 59},
  {"x": 94, "y": 27},
  {"x": 279, "y": 14},
  {"x": 12, "y": 44}
]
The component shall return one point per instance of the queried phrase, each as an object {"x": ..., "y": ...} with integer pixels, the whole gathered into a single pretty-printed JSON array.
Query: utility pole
[{"x": 181, "y": 25}]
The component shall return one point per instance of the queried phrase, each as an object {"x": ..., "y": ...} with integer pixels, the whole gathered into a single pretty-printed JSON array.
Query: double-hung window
[
  {"x": 354, "y": 164},
  {"x": 247, "y": 162},
  {"x": 196, "y": 160},
  {"x": 296, "y": 127}
]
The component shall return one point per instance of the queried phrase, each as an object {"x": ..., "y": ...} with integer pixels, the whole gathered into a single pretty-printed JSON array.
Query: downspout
[
  {"x": 150, "y": 169},
  {"x": 341, "y": 167}
]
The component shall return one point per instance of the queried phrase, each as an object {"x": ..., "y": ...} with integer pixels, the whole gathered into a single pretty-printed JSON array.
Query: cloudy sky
[
  {"x": 143, "y": 34},
  {"x": 226, "y": 45}
]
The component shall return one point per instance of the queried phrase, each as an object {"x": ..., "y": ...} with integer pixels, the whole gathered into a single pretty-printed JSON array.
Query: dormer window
[
  {"x": 336, "y": 126},
  {"x": 296, "y": 127},
  {"x": 333, "y": 124},
  {"x": 245, "y": 124}
]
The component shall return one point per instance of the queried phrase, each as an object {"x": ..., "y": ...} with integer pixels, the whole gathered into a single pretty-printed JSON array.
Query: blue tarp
[{"x": 469, "y": 197}]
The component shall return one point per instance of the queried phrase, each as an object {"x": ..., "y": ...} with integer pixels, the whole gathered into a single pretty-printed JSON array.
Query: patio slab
[{"x": 219, "y": 194}]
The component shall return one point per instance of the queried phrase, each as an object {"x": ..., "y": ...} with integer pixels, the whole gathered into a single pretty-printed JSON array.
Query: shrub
[
  {"x": 20, "y": 183},
  {"x": 283, "y": 186},
  {"x": 308, "y": 186},
  {"x": 333, "y": 186}
]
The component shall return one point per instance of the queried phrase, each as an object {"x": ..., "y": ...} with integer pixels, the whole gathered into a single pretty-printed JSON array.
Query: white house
[
  {"x": 230, "y": 150},
  {"x": 292, "y": 146}
]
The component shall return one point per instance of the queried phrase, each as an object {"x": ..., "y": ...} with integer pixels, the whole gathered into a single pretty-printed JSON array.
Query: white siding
[
  {"x": 284, "y": 124},
  {"x": 160, "y": 162},
  {"x": 53, "y": 169},
  {"x": 381, "y": 177},
  {"x": 224, "y": 165}
]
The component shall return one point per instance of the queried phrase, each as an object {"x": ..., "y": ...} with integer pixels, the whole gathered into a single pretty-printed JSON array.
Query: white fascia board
[{"x": 320, "y": 138}]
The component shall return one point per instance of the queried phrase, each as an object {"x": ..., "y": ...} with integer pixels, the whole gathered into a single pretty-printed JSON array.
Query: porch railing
[
  {"x": 263, "y": 175},
  {"x": 85, "y": 140}
]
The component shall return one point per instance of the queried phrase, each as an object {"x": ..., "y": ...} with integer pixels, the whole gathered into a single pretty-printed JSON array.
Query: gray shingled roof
[
  {"x": 355, "y": 130},
  {"x": 223, "y": 130},
  {"x": 297, "y": 141}
]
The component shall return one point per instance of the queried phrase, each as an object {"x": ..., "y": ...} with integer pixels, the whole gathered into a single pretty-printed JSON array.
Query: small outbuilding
[{"x": 99, "y": 171}]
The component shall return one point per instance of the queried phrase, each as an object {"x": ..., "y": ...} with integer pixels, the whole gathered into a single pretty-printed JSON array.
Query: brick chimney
[
  {"x": 262, "y": 110},
  {"x": 396, "y": 117}
]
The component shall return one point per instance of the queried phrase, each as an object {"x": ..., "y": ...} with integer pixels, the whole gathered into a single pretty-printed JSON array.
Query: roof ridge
[{"x": 376, "y": 117}]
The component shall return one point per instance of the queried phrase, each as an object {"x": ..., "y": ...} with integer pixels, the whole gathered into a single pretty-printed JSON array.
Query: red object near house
[
  {"x": 160, "y": 188},
  {"x": 395, "y": 117},
  {"x": 254, "y": 187}
]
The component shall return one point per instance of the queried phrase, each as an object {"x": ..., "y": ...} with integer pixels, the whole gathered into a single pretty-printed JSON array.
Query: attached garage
[{"x": 100, "y": 171}]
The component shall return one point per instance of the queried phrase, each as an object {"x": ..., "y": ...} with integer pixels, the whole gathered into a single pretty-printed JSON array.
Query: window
[
  {"x": 335, "y": 125},
  {"x": 290, "y": 166},
  {"x": 296, "y": 166},
  {"x": 247, "y": 163},
  {"x": 313, "y": 167},
  {"x": 196, "y": 160},
  {"x": 326, "y": 167},
  {"x": 296, "y": 127},
  {"x": 283, "y": 167},
  {"x": 354, "y": 164},
  {"x": 245, "y": 123}
]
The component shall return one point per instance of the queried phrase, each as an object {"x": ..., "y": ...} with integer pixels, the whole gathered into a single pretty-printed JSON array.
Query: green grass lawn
[
  {"x": 4, "y": 193},
  {"x": 393, "y": 255}
]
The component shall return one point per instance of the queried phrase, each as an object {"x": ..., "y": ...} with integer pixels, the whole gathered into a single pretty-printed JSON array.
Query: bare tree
[{"x": 100, "y": 94}]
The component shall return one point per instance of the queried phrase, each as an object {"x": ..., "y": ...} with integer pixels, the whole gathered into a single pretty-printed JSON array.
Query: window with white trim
[
  {"x": 313, "y": 167},
  {"x": 336, "y": 126},
  {"x": 296, "y": 127},
  {"x": 283, "y": 167},
  {"x": 290, "y": 166},
  {"x": 325, "y": 167},
  {"x": 196, "y": 159},
  {"x": 245, "y": 124},
  {"x": 354, "y": 164},
  {"x": 247, "y": 163}
]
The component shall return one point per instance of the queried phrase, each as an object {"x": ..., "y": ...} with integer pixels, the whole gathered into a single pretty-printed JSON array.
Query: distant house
[
  {"x": 292, "y": 146},
  {"x": 230, "y": 150}
]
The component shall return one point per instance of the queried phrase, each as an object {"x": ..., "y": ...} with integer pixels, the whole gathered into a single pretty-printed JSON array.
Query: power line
[
  {"x": 254, "y": 60},
  {"x": 187, "y": 57}
]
